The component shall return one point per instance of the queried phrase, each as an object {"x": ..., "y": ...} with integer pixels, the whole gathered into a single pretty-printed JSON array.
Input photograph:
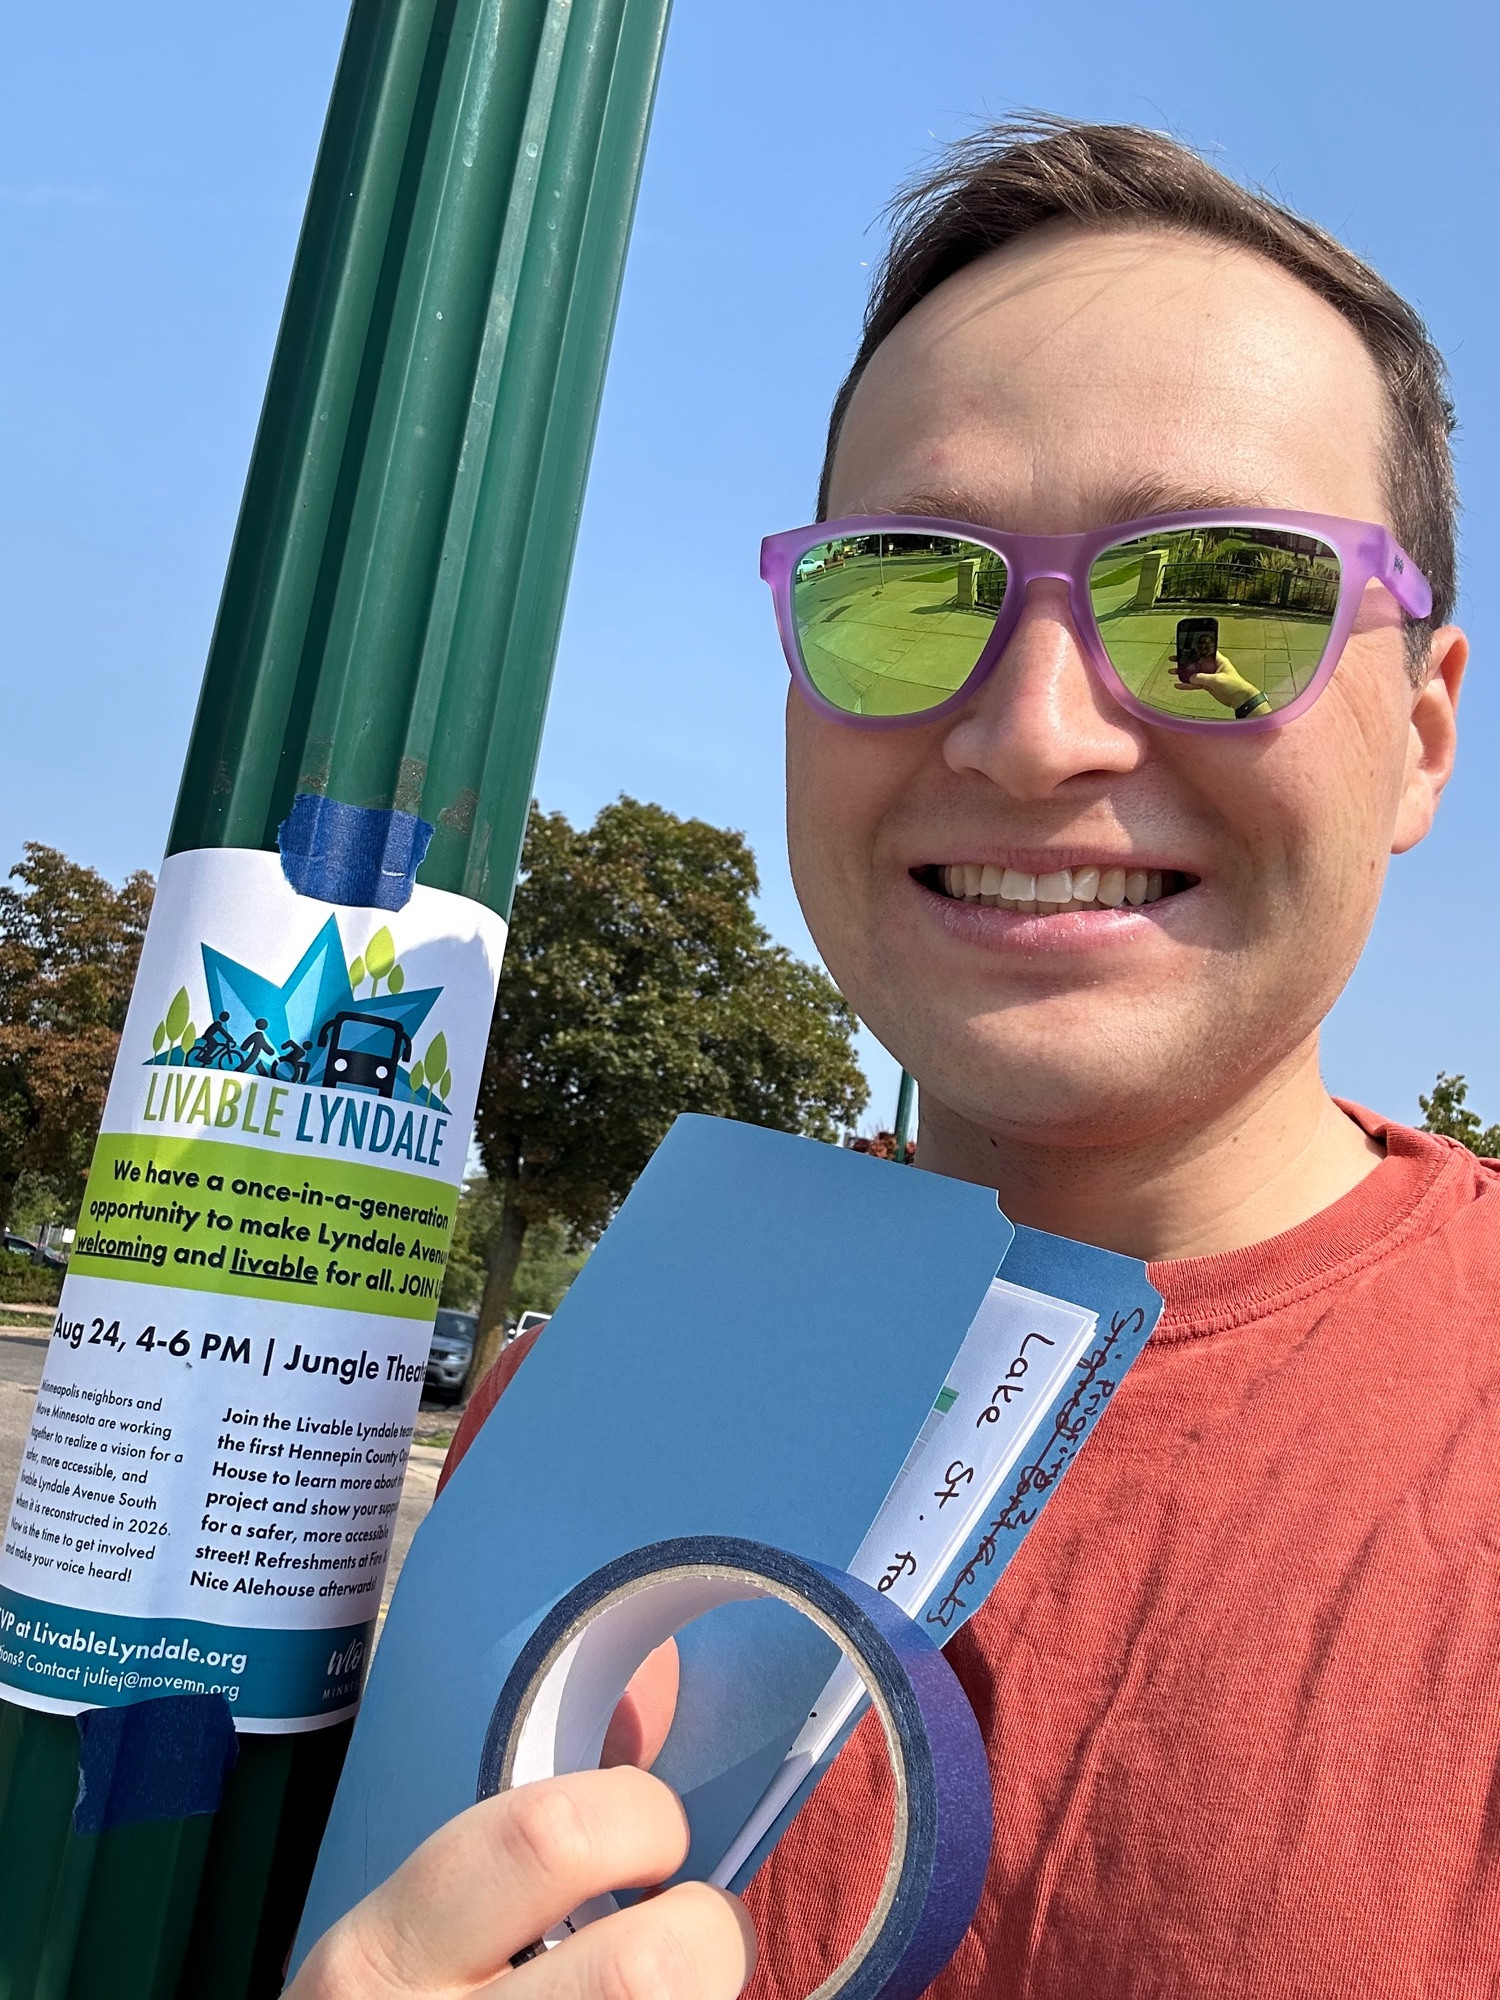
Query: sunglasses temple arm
[{"x": 1404, "y": 580}]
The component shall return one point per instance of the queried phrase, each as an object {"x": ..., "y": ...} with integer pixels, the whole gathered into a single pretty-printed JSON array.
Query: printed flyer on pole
[{"x": 211, "y": 1479}]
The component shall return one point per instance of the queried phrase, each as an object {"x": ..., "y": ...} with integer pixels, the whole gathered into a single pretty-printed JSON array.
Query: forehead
[{"x": 1079, "y": 377}]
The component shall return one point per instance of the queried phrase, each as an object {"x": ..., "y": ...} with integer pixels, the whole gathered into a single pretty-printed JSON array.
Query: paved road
[
  {"x": 20, "y": 1371},
  {"x": 21, "y": 1358},
  {"x": 21, "y": 1355}
]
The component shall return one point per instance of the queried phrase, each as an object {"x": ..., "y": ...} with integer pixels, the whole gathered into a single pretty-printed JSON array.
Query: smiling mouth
[{"x": 1062, "y": 890}]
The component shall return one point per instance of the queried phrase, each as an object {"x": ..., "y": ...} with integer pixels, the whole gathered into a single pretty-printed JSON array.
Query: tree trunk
[
  {"x": 505, "y": 1256},
  {"x": 7, "y": 1196}
]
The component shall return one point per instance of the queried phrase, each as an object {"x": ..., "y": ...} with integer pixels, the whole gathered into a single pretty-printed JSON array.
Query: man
[{"x": 1241, "y": 1687}]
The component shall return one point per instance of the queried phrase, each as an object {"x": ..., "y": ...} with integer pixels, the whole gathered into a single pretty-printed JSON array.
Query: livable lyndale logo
[{"x": 317, "y": 1027}]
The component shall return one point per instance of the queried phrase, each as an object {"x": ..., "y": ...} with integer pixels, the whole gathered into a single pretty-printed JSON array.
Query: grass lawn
[
  {"x": 1274, "y": 653},
  {"x": 882, "y": 637}
]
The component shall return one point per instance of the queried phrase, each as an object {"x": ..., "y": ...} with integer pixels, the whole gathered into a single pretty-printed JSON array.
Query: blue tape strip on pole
[
  {"x": 161, "y": 1759},
  {"x": 363, "y": 855},
  {"x": 944, "y": 1816}
]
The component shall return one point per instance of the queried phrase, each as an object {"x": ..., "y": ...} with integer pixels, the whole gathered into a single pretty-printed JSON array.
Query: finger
[
  {"x": 494, "y": 1879},
  {"x": 690, "y": 1943},
  {"x": 640, "y": 1724}
]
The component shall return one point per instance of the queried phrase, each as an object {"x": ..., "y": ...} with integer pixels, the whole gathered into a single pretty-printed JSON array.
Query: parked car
[
  {"x": 528, "y": 1320},
  {"x": 36, "y": 1253},
  {"x": 453, "y": 1336}
]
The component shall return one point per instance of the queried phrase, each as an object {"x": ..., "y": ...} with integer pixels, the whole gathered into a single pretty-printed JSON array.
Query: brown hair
[{"x": 993, "y": 187}]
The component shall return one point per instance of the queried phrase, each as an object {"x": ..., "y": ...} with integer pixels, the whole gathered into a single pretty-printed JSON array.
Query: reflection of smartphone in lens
[{"x": 1197, "y": 647}]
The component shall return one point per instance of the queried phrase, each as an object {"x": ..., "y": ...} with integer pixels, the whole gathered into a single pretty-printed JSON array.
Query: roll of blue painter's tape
[{"x": 561, "y": 1693}]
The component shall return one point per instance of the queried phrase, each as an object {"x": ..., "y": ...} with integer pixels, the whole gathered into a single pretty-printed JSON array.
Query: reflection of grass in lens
[
  {"x": 1275, "y": 654},
  {"x": 884, "y": 635}
]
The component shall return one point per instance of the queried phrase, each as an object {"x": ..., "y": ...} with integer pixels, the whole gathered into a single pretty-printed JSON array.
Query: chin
[{"x": 1083, "y": 1086}]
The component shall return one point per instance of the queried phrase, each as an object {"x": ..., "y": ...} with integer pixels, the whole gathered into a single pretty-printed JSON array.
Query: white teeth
[{"x": 1047, "y": 894}]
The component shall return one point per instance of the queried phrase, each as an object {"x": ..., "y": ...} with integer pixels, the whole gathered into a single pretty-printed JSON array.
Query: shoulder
[
  {"x": 1444, "y": 1263},
  {"x": 1456, "y": 1179},
  {"x": 1431, "y": 1163}
]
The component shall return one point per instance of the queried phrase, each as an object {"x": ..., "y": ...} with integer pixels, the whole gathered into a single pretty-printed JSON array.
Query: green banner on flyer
[{"x": 208, "y": 1216}]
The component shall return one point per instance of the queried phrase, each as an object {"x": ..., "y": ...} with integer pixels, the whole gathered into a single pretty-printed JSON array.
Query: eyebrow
[{"x": 1135, "y": 501}]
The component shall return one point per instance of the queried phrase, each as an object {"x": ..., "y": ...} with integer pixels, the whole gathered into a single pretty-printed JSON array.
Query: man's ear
[{"x": 1432, "y": 737}]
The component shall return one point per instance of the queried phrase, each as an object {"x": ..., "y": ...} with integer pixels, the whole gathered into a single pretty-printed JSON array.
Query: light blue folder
[{"x": 750, "y": 1351}]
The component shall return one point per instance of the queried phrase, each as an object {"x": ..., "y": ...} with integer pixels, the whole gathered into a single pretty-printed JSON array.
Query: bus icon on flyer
[{"x": 364, "y": 1050}]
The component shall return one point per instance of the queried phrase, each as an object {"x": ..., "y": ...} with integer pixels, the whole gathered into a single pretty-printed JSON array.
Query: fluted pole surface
[{"x": 385, "y": 639}]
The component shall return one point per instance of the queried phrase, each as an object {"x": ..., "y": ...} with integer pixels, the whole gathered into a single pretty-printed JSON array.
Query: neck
[{"x": 1256, "y": 1167}]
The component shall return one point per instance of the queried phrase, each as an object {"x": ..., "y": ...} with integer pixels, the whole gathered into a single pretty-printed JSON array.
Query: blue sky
[{"x": 153, "y": 165}]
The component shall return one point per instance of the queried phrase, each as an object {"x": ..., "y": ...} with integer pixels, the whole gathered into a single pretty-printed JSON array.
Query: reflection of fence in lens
[
  {"x": 989, "y": 584},
  {"x": 1231, "y": 583}
]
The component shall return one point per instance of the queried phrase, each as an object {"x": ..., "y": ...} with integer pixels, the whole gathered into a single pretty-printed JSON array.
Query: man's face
[{"x": 1074, "y": 380}]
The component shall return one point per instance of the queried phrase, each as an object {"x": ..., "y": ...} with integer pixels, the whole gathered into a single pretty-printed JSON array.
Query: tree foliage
[
  {"x": 549, "y": 1263},
  {"x": 552, "y": 1259},
  {"x": 69, "y": 945},
  {"x": 474, "y": 1226},
  {"x": 1446, "y": 1112},
  {"x": 638, "y": 984}
]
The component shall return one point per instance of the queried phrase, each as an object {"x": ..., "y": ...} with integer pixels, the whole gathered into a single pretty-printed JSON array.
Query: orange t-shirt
[{"x": 1241, "y": 1684}]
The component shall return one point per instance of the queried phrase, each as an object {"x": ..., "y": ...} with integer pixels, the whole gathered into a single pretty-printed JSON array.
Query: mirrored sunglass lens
[
  {"x": 1216, "y": 624},
  {"x": 894, "y": 624}
]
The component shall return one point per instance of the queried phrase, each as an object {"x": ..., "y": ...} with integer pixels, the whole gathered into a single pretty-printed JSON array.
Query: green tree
[
  {"x": 549, "y": 1263},
  {"x": 1446, "y": 1112},
  {"x": 552, "y": 1259},
  {"x": 69, "y": 944},
  {"x": 474, "y": 1228},
  {"x": 638, "y": 984}
]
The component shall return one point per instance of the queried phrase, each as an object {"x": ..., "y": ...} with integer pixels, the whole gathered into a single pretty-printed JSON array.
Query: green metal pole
[
  {"x": 906, "y": 1107},
  {"x": 385, "y": 641}
]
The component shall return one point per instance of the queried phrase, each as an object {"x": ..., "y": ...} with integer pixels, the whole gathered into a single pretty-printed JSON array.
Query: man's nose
[{"x": 1042, "y": 718}]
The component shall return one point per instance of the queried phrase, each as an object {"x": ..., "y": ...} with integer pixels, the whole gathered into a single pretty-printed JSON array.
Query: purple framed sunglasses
[{"x": 1188, "y": 620}]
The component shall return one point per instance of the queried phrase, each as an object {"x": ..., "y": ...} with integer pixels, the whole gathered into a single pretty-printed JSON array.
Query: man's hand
[
  {"x": 493, "y": 1880},
  {"x": 1227, "y": 685}
]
